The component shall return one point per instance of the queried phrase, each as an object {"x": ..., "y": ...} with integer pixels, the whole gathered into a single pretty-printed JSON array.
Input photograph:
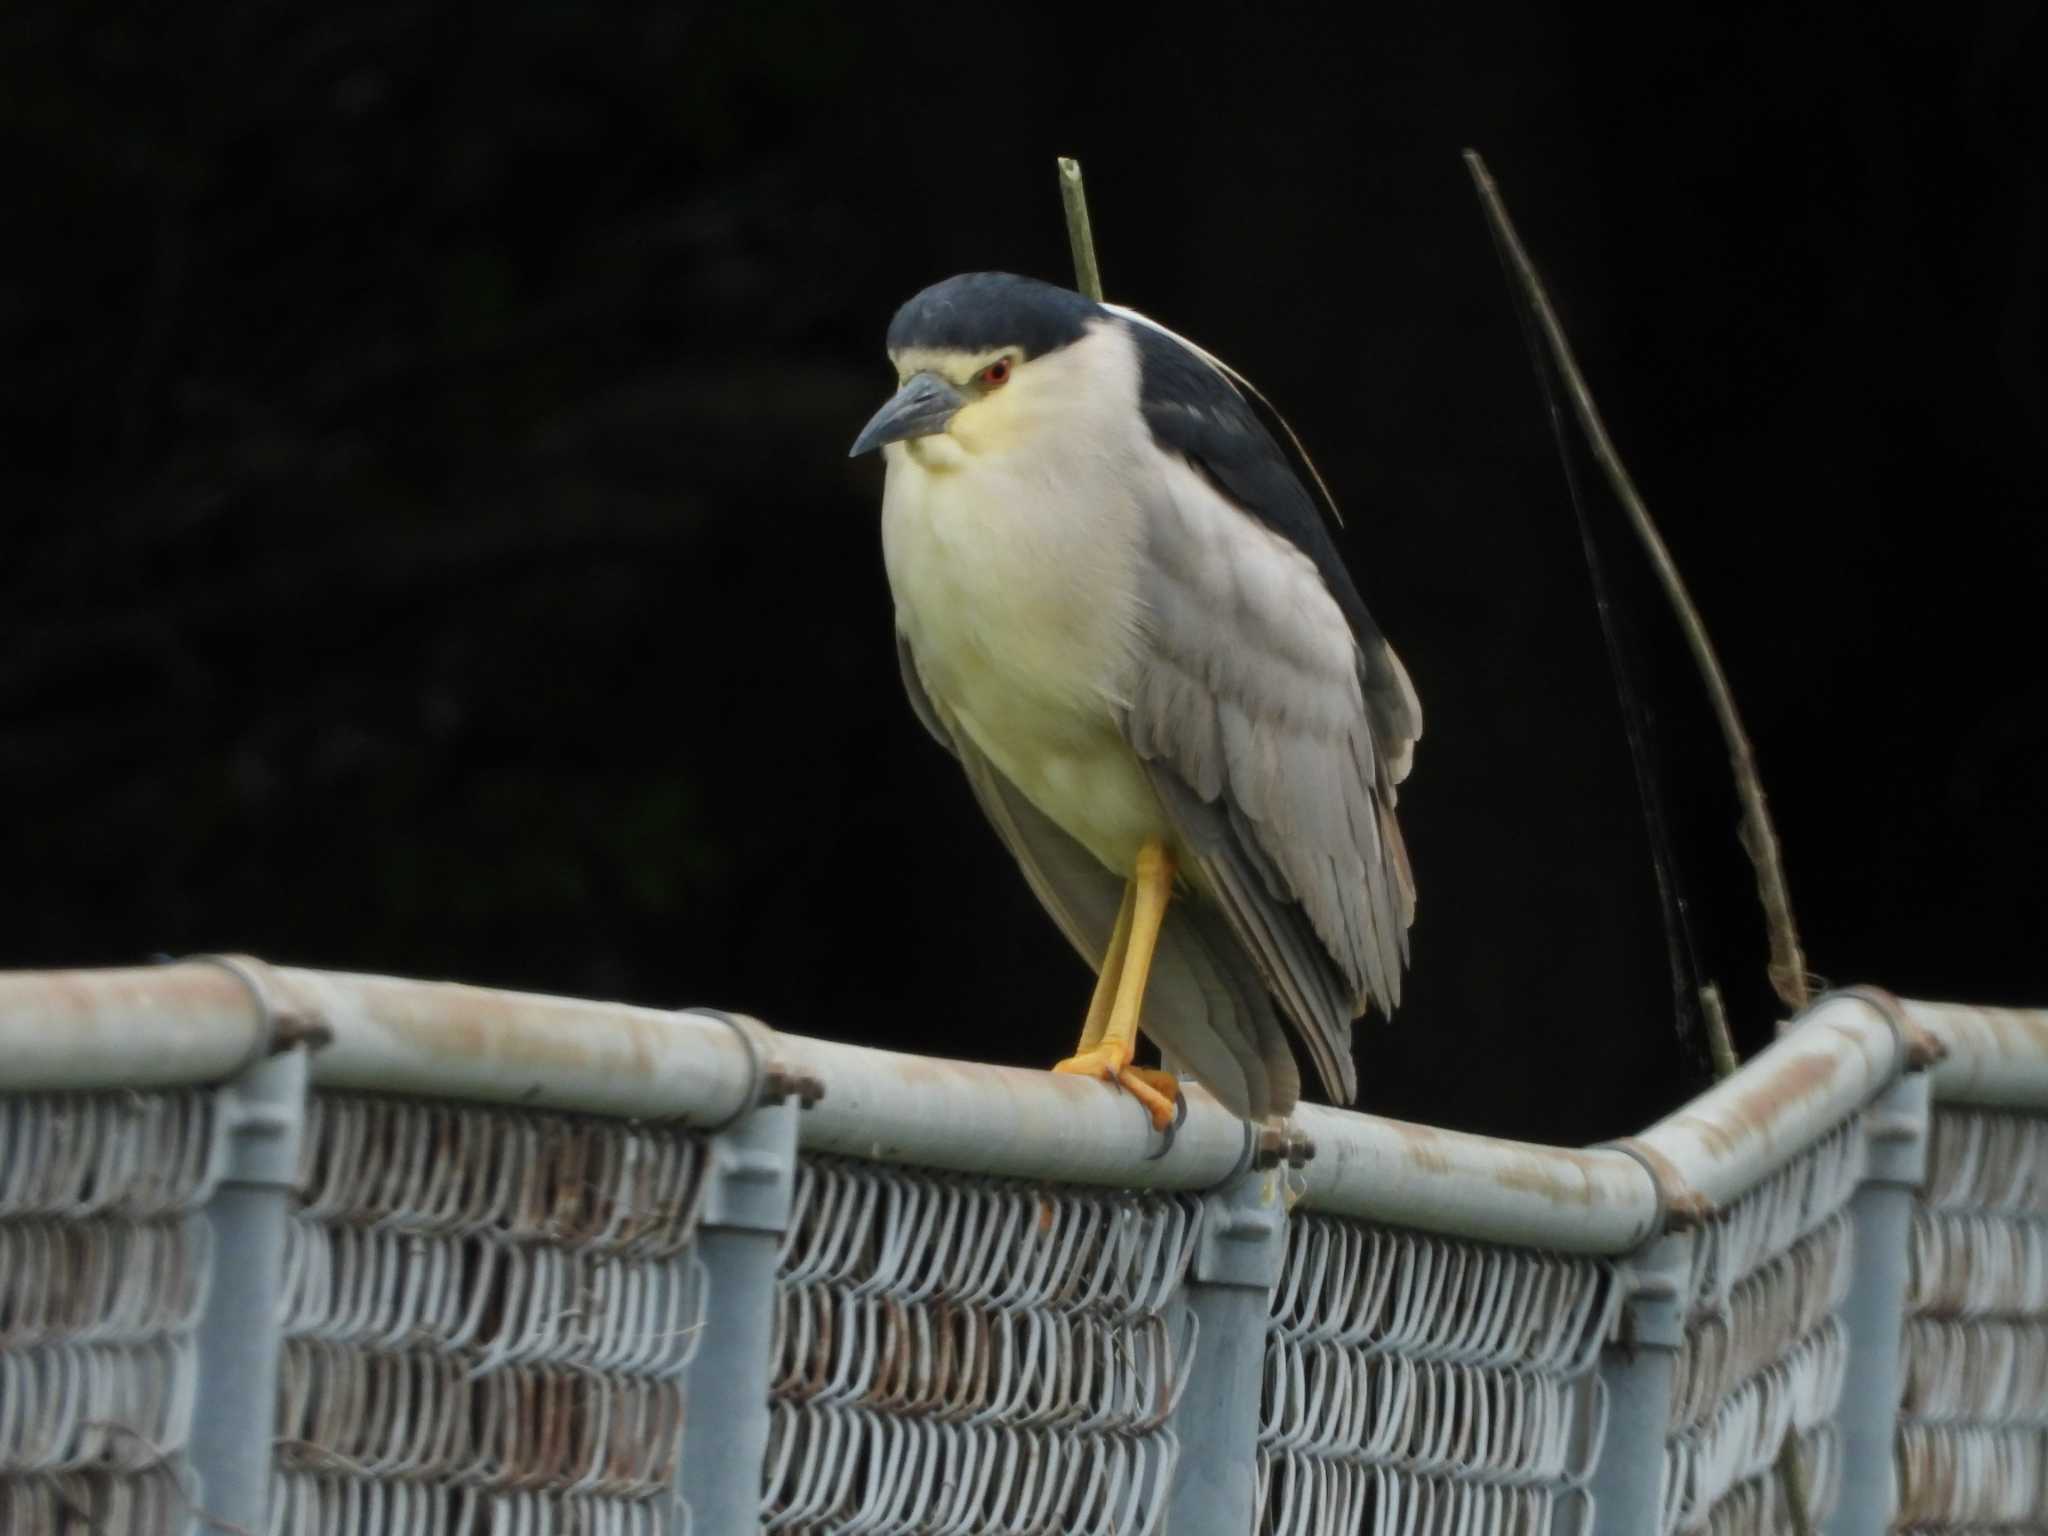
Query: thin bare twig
[
  {"x": 1086, "y": 273},
  {"x": 1788, "y": 962},
  {"x": 320, "y": 1456},
  {"x": 160, "y": 1460}
]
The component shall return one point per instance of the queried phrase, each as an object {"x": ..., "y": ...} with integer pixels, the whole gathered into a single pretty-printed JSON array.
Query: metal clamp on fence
[
  {"x": 285, "y": 1022},
  {"x": 1918, "y": 1047},
  {"x": 770, "y": 1080}
]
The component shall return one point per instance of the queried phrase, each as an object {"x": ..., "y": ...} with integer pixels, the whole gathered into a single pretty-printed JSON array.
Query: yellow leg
[
  {"x": 1112, "y": 970},
  {"x": 1107, "y": 1052}
]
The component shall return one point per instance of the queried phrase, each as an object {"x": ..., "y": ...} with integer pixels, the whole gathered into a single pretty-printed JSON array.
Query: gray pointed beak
[{"x": 921, "y": 407}]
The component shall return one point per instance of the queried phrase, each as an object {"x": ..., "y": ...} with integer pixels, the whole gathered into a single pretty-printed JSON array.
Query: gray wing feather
[
  {"x": 1269, "y": 930},
  {"x": 1206, "y": 1002},
  {"x": 1276, "y": 742}
]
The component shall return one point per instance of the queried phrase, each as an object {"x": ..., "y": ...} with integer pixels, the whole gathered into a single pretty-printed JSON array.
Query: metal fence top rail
[{"x": 203, "y": 1020}]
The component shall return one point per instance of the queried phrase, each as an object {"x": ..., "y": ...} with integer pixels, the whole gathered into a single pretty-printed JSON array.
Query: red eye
[{"x": 997, "y": 372}]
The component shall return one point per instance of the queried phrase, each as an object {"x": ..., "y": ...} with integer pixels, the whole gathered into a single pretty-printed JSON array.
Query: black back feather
[{"x": 1194, "y": 411}]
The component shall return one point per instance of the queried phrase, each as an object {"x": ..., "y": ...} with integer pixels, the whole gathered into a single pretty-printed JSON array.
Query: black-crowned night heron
[{"x": 1118, "y": 605}]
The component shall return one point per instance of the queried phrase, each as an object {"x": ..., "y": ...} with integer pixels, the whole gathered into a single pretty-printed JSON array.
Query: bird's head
[{"x": 974, "y": 360}]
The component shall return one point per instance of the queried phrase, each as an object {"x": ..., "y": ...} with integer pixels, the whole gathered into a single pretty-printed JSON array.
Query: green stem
[
  {"x": 1087, "y": 275},
  {"x": 1720, "y": 1042}
]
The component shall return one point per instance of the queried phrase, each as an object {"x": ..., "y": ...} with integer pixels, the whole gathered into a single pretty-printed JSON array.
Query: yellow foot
[{"x": 1157, "y": 1091}]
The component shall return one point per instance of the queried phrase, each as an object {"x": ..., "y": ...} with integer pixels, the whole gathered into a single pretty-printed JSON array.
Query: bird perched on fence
[{"x": 1117, "y": 603}]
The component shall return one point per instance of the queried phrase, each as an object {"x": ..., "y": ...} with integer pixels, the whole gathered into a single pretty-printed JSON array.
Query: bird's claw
[
  {"x": 1171, "y": 1129},
  {"x": 1154, "y": 1090}
]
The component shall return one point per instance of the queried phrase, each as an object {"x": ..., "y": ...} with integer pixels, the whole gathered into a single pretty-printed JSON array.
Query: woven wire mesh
[
  {"x": 959, "y": 1356},
  {"x": 1973, "y": 1432},
  {"x": 1421, "y": 1384},
  {"x": 1764, "y": 1351},
  {"x": 104, "y": 1260},
  {"x": 487, "y": 1314}
]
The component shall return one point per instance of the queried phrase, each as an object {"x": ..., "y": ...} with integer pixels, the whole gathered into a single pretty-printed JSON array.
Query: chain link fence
[
  {"x": 502, "y": 1303},
  {"x": 956, "y": 1355},
  {"x": 1765, "y": 1349},
  {"x": 486, "y": 1317},
  {"x": 104, "y": 1266},
  {"x": 1973, "y": 1433},
  {"x": 1415, "y": 1383}
]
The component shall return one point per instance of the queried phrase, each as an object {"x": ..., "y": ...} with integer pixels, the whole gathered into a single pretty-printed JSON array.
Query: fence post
[
  {"x": 1636, "y": 1367},
  {"x": 1873, "y": 1313},
  {"x": 1236, "y": 1264},
  {"x": 262, "y": 1115},
  {"x": 752, "y": 1175}
]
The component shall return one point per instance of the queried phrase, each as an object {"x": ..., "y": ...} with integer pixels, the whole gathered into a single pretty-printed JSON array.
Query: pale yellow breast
[{"x": 1019, "y": 607}]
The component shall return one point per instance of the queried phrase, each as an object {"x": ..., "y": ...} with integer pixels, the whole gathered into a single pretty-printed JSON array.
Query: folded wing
[{"x": 1275, "y": 719}]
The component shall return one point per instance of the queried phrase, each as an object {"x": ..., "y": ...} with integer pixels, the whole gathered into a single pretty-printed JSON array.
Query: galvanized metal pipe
[
  {"x": 1597, "y": 1201},
  {"x": 198, "y": 1022},
  {"x": 894, "y": 1108},
  {"x": 1996, "y": 1057},
  {"x": 746, "y": 1210},
  {"x": 1237, "y": 1262},
  {"x": 1842, "y": 1053},
  {"x": 1882, "y": 1215},
  {"x": 1636, "y": 1368},
  {"x": 136, "y": 1027},
  {"x": 261, "y": 1117},
  {"x": 460, "y": 1042}
]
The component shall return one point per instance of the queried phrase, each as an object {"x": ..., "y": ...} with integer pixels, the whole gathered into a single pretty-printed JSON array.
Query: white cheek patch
[{"x": 938, "y": 451}]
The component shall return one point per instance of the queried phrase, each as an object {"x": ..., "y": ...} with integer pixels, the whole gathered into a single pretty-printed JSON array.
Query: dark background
[{"x": 430, "y": 545}]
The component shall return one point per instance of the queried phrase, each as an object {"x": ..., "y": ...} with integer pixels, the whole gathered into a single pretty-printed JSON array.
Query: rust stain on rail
[
  {"x": 448, "y": 1020},
  {"x": 1760, "y": 1105},
  {"x": 1555, "y": 1175},
  {"x": 1543, "y": 1177},
  {"x": 1753, "y": 1109},
  {"x": 2014, "y": 1033},
  {"x": 118, "y": 996},
  {"x": 1423, "y": 1147}
]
